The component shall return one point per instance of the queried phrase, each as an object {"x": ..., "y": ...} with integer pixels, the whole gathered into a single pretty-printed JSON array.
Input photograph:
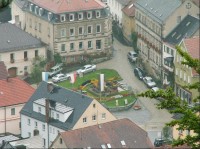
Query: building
[
  {"x": 18, "y": 49},
  {"x": 53, "y": 109},
  {"x": 116, "y": 7},
  {"x": 184, "y": 74},
  {"x": 74, "y": 29},
  {"x": 128, "y": 20},
  {"x": 121, "y": 133},
  {"x": 187, "y": 28},
  {"x": 14, "y": 93},
  {"x": 5, "y": 14},
  {"x": 155, "y": 19},
  {"x": 18, "y": 13}
]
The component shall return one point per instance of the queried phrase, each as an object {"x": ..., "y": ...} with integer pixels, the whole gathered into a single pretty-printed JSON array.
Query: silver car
[
  {"x": 60, "y": 77},
  {"x": 149, "y": 82}
]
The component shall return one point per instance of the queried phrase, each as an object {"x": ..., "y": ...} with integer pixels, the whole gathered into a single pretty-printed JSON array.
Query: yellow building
[{"x": 128, "y": 20}]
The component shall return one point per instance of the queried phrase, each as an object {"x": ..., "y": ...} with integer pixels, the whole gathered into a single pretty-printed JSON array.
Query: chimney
[
  {"x": 47, "y": 110},
  {"x": 50, "y": 87}
]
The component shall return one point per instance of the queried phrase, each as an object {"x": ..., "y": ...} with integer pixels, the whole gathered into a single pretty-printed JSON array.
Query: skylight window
[
  {"x": 108, "y": 145},
  {"x": 130, "y": 6},
  {"x": 178, "y": 36},
  {"x": 188, "y": 23},
  {"x": 103, "y": 146},
  {"x": 173, "y": 34},
  {"x": 123, "y": 143}
]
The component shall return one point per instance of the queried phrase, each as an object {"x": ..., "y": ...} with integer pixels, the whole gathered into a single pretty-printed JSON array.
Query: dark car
[
  {"x": 161, "y": 141},
  {"x": 139, "y": 73}
]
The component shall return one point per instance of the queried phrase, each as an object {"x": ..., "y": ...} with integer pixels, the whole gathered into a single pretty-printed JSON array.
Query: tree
[
  {"x": 38, "y": 67},
  {"x": 134, "y": 41},
  {"x": 57, "y": 58},
  {"x": 190, "y": 116}
]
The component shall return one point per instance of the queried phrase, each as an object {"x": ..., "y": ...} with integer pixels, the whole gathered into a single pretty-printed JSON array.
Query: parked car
[
  {"x": 87, "y": 68},
  {"x": 139, "y": 73},
  {"x": 161, "y": 141},
  {"x": 155, "y": 89},
  {"x": 149, "y": 82},
  {"x": 60, "y": 77},
  {"x": 55, "y": 70},
  {"x": 132, "y": 56}
]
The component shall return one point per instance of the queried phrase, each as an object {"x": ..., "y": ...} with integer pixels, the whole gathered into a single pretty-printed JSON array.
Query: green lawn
[
  {"x": 108, "y": 73},
  {"x": 112, "y": 103}
]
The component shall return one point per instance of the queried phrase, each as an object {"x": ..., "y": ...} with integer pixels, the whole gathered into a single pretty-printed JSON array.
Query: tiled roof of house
[
  {"x": 13, "y": 38},
  {"x": 74, "y": 100},
  {"x": 158, "y": 10},
  {"x": 129, "y": 10},
  {"x": 187, "y": 27},
  {"x": 3, "y": 71},
  {"x": 62, "y": 6},
  {"x": 192, "y": 46},
  {"x": 14, "y": 91},
  {"x": 114, "y": 133}
]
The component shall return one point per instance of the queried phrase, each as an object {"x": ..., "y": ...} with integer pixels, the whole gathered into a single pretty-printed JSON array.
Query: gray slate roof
[
  {"x": 59, "y": 94},
  {"x": 187, "y": 27},
  {"x": 13, "y": 38},
  {"x": 5, "y": 14},
  {"x": 21, "y": 3},
  {"x": 123, "y": 2},
  {"x": 158, "y": 10}
]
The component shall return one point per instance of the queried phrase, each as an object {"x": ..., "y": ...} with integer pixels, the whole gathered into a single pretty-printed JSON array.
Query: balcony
[
  {"x": 12, "y": 61},
  {"x": 26, "y": 59}
]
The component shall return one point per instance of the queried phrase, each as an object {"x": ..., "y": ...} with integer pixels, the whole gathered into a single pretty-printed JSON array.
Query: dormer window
[
  {"x": 80, "y": 16},
  {"x": 31, "y": 7},
  {"x": 36, "y": 9},
  {"x": 50, "y": 15},
  {"x": 98, "y": 14},
  {"x": 41, "y": 11},
  {"x": 71, "y": 17},
  {"x": 89, "y": 15},
  {"x": 62, "y": 18}
]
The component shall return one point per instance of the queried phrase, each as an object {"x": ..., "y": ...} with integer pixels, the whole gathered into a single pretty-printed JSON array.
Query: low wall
[{"x": 120, "y": 108}]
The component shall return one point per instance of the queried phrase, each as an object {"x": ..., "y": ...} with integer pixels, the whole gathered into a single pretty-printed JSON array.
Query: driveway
[{"x": 149, "y": 117}]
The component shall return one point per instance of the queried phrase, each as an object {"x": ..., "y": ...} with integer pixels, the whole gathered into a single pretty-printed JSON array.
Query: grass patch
[
  {"x": 108, "y": 73},
  {"x": 112, "y": 103}
]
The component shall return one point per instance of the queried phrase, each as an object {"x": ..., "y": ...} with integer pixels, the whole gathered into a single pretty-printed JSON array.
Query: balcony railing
[{"x": 12, "y": 61}]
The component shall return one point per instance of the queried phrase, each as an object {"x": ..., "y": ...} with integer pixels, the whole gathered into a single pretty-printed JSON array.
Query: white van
[{"x": 55, "y": 70}]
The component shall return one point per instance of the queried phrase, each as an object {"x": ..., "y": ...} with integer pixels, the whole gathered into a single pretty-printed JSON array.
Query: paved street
[{"x": 149, "y": 117}]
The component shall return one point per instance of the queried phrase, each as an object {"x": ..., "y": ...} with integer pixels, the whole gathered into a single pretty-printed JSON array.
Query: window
[
  {"x": 94, "y": 117},
  {"x": 36, "y": 53},
  {"x": 80, "y": 30},
  {"x": 84, "y": 120},
  {"x": 89, "y": 15},
  {"x": 41, "y": 11},
  {"x": 80, "y": 45},
  {"x": 30, "y": 23},
  {"x": 94, "y": 105},
  {"x": 80, "y": 16},
  {"x": 98, "y": 29},
  {"x": 98, "y": 44},
  {"x": 48, "y": 32},
  {"x": 89, "y": 29},
  {"x": 44, "y": 142},
  {"x": 36, "y": 9},
  {"x": 36, "y": 124},
  {"x": 103, "y": 116},
  {"x": 19, "y": 125},
  {"x": 12, "y": 57},
  {"x": 50, "y": 15},
  {"x": 62, "y": 18},
  {"x": 35, "y": 25},
  {"x": 189, "y": 79},
  {"x": 89, "y": 44},
  {"x": 57, "y": 116},
  {"x": 43, "y": 127},
  {"x": 31, "y": 7},
  {"x": 71, "y": 31},
  {"x": 71, "y": 17},
  {"x": 39, "y": 27},
  {"x": 187, "y": 132},
  {"x": 50, "y": 129},
  {"x": 39, "y": 109},
  {"x": 60, "y": 140},
  {"x": 62, "y": 47},
  {"x": 29, "y": 134},
  {"x": 25, "y": 55},
  {"x": 29, "y": 122},
  {"x": 13, "y": 111},
  {"x": 52, "y": 114},
  {"x": 63, "y": 32},
  {"x": 71, "y": 46},
  {"x": 98, "y": 14}
]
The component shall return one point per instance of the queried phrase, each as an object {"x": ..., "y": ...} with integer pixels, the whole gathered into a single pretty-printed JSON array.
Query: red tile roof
[
  {"x": 3, "y": 71},
  {"x": 61, "y": 6},
  {"x": 192, "y": 46},
  {"x": 14, "y": 91},
  {"x": 108, "y": 133},
  {"x": 129, "y": 10}
]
